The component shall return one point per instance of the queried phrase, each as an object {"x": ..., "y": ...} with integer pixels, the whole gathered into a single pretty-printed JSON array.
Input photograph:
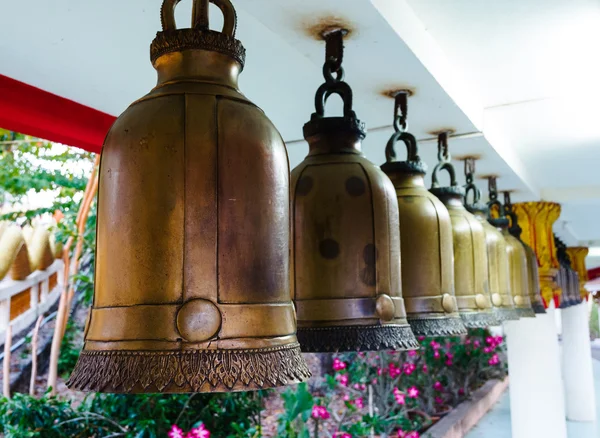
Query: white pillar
[
  {"x": 580, "y": 399},
  {"x": 558, "y": 320},
  {"x": 537, "y": 407}
]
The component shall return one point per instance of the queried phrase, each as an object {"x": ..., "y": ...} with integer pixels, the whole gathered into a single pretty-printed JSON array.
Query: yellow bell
[
  {"x": 426, "y": 239},
  {"x": 470, "y": 256},
  {"x": 346, "y": 244},
  {"x": 192, "y": 279}
]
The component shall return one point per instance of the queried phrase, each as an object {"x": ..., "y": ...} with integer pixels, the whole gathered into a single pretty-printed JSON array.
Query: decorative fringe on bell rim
[
  {"x": 504, "y": 314},
  {"x": 479, "y": 319},
  {"x": 525, "y": 312},
  {"x": 189, "y": 370},
  {"x": 441, "y": 326},
  {"x": 538, "y": 308},
  {"x": 357, "y": 338}
]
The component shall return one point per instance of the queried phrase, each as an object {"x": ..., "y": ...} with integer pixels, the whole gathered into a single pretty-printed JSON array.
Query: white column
[
  {"x": 537, "y": 407},
  {"x": 580, "y": 399},
  {"x": 558, "y": 320}
]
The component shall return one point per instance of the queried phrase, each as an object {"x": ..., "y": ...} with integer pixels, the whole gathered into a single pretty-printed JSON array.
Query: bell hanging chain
[
  {"x": 401, "y": 111},
  {"x": 469, "y": 170},
  {"x": 443, "y": 153}
]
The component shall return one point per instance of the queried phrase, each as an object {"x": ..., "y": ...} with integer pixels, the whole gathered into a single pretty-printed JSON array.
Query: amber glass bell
[
  {"x": 426, "y": 243},
  {"x": 535, "y": 295},
  {"x": 498, "y": 272},
  {"x": 192, "y": 266},
  {"x": 468, "y": 238},
  {"x": 346, "y": 243}
]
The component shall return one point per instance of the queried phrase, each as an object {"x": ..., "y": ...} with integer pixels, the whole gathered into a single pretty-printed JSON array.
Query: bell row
[{"x": 215, "y": 267}]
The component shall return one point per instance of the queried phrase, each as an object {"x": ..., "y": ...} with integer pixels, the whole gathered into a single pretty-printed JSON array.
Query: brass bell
[
  {"x": 566, "y": 276},
  {"x": 535, "y": 295},
  {"x": 470, "y": 255},
  {"x": 192, "y": 263},
  {"x": 426, "y": 243},
  {"x": 517, "y": 258},
  {"x": 577, "y": 254},
  {"x": 498, "y": 272},
  {"x": 346, "y": 243}
]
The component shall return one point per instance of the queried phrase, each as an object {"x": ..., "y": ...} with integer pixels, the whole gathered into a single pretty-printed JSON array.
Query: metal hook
[{"x": 401, "y": 111}]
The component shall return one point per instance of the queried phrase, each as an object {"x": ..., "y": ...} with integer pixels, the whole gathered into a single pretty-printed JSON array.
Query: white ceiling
[{"x": 470, "y": 63}]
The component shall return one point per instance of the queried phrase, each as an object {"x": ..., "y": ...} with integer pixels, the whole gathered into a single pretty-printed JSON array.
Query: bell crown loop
[
  {"x": 444, "y": 163},
  {"x": 476, "y": 206},
  {"x": 199, "y": 36},
  {"x": 333, "y": 74},
  {"x": 413, "y": 163},
  {"x": 513, "y": 227}
]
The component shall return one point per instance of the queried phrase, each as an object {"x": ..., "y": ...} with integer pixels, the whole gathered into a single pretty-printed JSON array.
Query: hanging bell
[
  {"x": 564, "y": 276},
  {"x": 346, "y": 243},
  {"x": 517, "y": 258},
  {"x": 426, "y": 244},
  {"x": 535, "y": 295},
  {"x": 192, "y": 264},
  {"x": 468, "y": 238},
  {"x": 498, "y": 272}
]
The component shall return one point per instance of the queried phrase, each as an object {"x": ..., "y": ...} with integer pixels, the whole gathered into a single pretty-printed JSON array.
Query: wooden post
[
  {"x": 56, "y": 341},
  {"x": 6, "y": 367},
  {"x": 34, "y": 356}
]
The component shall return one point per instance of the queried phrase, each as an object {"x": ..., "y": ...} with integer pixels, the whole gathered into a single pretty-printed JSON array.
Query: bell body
[
  {"x": 345, "y": 248},
  {"x": 498, "y": 269},
  {"x": 519, "y": 279},
  {"x": 192, "y": 286},
  {"x": 470, "y": 261},
  {"x": 426, "y": 248},
  {"x": 535, "y": 296}
]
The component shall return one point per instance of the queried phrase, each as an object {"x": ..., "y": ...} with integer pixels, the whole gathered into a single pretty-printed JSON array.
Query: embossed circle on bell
[
  {"x": 198, "y": 320},
  {"x": 449, "y": 303},
  {"x": 355, "y": 186},
  {"x": 384, "y": 306},
  {"x": 304, "y": 186},
  {"x": 496, "y": 300},
  {"x": 519, "y": 300},
  {"x": 482, "y": 301}
]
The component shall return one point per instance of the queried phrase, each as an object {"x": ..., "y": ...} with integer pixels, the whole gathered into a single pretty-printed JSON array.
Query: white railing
[{"x": 21, "y": 302}]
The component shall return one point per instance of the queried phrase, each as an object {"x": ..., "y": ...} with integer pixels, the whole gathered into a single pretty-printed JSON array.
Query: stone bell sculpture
[
  {"x": 533, "y": 276},
  {"x": 517, "y": 257},
  {"x": 426, "y": 243},
  {"x": 498, "y": 271},
  {"x": 470, "y": 256},
  {"x": 345, "y": 239},
  {"x": 192, "y": 265}
]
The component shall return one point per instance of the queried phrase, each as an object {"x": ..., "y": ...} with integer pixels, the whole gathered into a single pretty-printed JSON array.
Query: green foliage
[
  {"x": 69, "y": 349},
  {"x": 594, "y": 329},
  {"x": 298, "y": 404}
]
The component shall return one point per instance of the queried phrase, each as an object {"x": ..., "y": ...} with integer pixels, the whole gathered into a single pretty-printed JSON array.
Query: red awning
[{"x": 32, "y": 111}]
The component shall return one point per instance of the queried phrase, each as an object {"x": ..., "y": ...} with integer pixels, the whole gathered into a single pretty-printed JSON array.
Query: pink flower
[
  {"x": 439, "y": 400},
  {"x": 421, "y": 338},
  {"x": 374, "y": 381},
  {"x": 413, "y": 392},
  {"x": 342, "y": 379},
  {"x": 358, "y": 403},
  {"x": 425, "y": 369},
  {"x": 342, "y": 435},
  {"x": 408, "y": 368},
  {"x": 476, "y": 343},
  {"x": 394, "y": 371},
  {"x": 449, "y": 355},
  {"x": 399, "y": 396},
  {"x": 489, "y": 340},
  {"x": 412, "y": 353},
  {"x": 434, "y": 345},
  {"x": 494, "y": 360},
  {"x": 413, "y": 434},
  {"x": 320, "y": 412},
  {"x": 436, "y": 354},
  {"x": 468, "y": 341},
  {"x": 488, "y": 349},
  {"x": 461, "y": 391},
  {"x": 175, "y": 432},
  {"x": 498, "y": 340},
  {"x": 338, "y": 365},
  {"x": 346, "y": 397},
  {"x": 361, "y": 354},
  {"x": 438, "y": 386},
  {"x": 449, "y": 362},
  {"x": 198, "y": 432}
]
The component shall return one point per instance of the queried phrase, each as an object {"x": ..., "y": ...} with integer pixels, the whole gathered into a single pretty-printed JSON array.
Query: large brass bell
[
  {"x": 426, "y": 243},
  {"x": 192, "y": 268},
  {"x": 517, "y": 257},
  {"x": 346, "y": 244},
  {"x": 498, "y": 272},
  {"x": 535, "y": 295},
  {"x": 565, "y": 276},
  {"x": 468, "y": 238}
]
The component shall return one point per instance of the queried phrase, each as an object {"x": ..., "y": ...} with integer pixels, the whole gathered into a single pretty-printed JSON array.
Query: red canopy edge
[
  {"x": 33, "y": 111},
  {"x": 593, "y": 273}
]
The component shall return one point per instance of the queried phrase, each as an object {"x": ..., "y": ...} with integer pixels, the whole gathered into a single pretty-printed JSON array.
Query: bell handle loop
[
  {"x": 342, "y": 89},
  {"x": 200, "y": 15},
  {"x": 447, "y": 166},
  {"x": 471, "y": 187},
  {"x": 411, "y": 147}
]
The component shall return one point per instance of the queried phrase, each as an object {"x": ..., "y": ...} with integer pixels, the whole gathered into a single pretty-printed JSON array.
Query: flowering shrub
[{"x": 394, "y": 393}]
